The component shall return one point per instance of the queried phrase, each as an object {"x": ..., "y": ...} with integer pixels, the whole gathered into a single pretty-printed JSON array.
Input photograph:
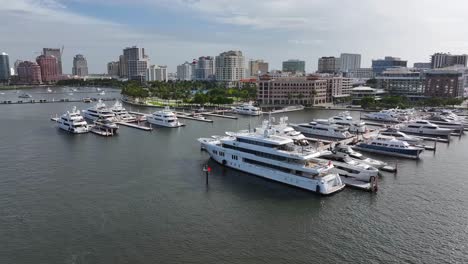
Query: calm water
[{"x": 141, "y": 197}]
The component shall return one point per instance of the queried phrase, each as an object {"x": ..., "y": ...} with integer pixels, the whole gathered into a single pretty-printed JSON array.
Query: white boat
[
  {"x": 393, "y": 132},
  {"x": 49, "y": 90},
  {"x": 247, "y": 109},
  {"x": 73, "y": 122},
  {"x": 346, "y": 166},
  {"x": 105, "y": 124},
  {"x": 99, "y": 111},
  {"x": 164, "y": 118},
  {"x": 389, "y": 146},
  {"x": 345, "y": 119},
  {"x": 275, "y": 158},
  {"x": 323, "y": 128},
  {"x": 425, "y": 128},
  {"x": 384, "y": 115},
  {"x": 357, "y": 155},
  {"x": 102, "y": 93},
  {"x": 447, "y": 122},
  {"x": 281, "y": 128},
  {"x": 25, "y": 95},
  {"x": 121, "y": 114}
]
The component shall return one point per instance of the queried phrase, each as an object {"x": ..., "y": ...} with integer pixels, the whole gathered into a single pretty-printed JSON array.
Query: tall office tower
[
  {"x": 80, "y": 65},
  {"x": 349, "y": 62},
  {"x": 57, "y": 53}
]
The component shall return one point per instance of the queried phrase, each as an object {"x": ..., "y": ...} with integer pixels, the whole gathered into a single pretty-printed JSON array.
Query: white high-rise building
[
  {"x": 230, "y": 66},
  {"x": 204, "y": 69},
  {"x": 350, "y": 62},
  {"x": 156, "y": 73},
  {"x": 184, "y": 71}
]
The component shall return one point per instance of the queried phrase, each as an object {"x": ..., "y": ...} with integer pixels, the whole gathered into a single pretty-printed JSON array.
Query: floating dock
[
  {"x": 185, "y": 116},
  {"x": 100, "y": 132},
  {"x": 218, "y": 115},
  {"x": 360, "y": 185},
  {"x": 137, "y": 126}
]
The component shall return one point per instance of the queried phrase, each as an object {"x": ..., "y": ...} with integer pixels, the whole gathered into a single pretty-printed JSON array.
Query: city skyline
[{"x": 293, "y": 29}]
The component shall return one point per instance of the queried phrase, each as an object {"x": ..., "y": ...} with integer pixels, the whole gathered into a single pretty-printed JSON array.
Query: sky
[{"x": 175, "y": 31}]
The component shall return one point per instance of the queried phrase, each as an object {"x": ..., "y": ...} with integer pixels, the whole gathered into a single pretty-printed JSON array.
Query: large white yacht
[
  {"x": 164, "y": 118},
  {"x": 99, "y": 111},
  {"x": 73, "y": 122},
  {"x": 357, "y": 155},
  {"x": 247, "y": 109},
  {"x": 346, "y": 166},
  {"x": 275, "y": 158},
  {"x": 384, "y": 115},
  {"x": 323, "y": 128},
  {"x": 121, "y": 114},
  {"x": 426, "y": 128},
  {"x": 393, "y": 132},
  {"x": 281, "y": 128},
  {"x": 345, "y": 119},
  {"x": 389, "y": 146}
]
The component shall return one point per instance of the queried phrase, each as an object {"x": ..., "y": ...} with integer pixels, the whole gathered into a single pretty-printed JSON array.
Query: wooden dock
[{"x": 218, "y": 115}]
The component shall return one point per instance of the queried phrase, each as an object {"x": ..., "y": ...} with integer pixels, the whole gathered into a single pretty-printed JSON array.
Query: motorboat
[
  {"x": 99, "y": 111},
  {"x": 121, "y": 114},
  {"x": 394, "y": 132},
  {"x": 384, "y": 116},
  {"x": 281, "y": 128},
  {"x": 102, "y": 93},
  {"x": 323, "y": 128},
  {"x": 24, "y": 95},
  {"x": 106, "y": 125},
  {"x": 345, "y": 119},
  {"x": 447, "y": 122},
  {"x": 339, "y": 148},
  {"x": 346, "y": 166},
  {"x": 49, "y": 90},
  {"x": 73, "y": 122},
  {"x": 275, "y": 158},
  {"x": 247, "y": 109},
  {"x": 425, "y": 128},
  {"x": 164, "y": 117},
  {"x": 87, "y": 100},
  {"x": 391, "y": 146}
]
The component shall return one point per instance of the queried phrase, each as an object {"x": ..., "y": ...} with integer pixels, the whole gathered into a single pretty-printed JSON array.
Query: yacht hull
[{"x": 404, "y": 153}]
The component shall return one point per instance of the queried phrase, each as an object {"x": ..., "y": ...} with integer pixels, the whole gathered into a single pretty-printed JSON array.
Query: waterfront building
[
  {"x": 205, "y": 69},
  {"x": 443, "y": 60},
  {"x": 229, "y": 66},
  {"x": 422, "y": 65},
  {"x": 184, "y": 71},
  {"x": 113, "y": 68},
  {"x": 80, "y": 65},
  {"x": 357, "y": 93},
  {"x": 57, "y": 53},
  {"x": 156, "y": 73},
  {"x": 310, "y": 90},
  {"x": 401, "y": 81},
  {"x": 123, "y": 67},
  {"x": 349, "y": 62},
  {"x": 257, "y": 68},
  {"x": 446, "y": 83},
  {"x": 49, "y": 71},
  {"x": 17, "y": 62},
  {"x": 337, "y": 87},
  {"x": 136, "y": 62},
  {"x": 4, "y": 67},
  {"x": 361, "y": 73},
  {"x": 294, "y": 66},
  {"x": 380, "y": 65},
  {"x": 328, "y": 65},
  {"x": 29, "y": 73}
]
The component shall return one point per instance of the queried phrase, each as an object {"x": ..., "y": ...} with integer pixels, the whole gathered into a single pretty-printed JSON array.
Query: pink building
[
  {"x": 49, "y": 70},
  {"x": 29, "y": 73},
  {"x": 291, "y": 90}
]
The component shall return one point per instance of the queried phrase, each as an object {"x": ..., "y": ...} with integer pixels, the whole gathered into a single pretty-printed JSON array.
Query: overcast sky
[{"x": 174, "y": 31}]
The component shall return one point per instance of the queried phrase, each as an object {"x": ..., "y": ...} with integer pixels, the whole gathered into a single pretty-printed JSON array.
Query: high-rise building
[
  {"x": 257, "y": 67},
  {"x": 17, "y": 62},
  {"x": 328, "y": 65},
  {"x": 29, "y": 73},
  {"x": 337, "y": 87},
  {"x": 422, "y": 65},
  {"x": 137, "y": 62},
  {"x": 156, "y": 73},
  {"x": 443, "y": 60},
  {"x": 57, "y": 53},
  {"x": 361, "y": 73},
  {"x": 446, "y": 83},
  {"x": 309, "y": 90},
  {"x": 230, "y": 66},
  {"x": 80, "y": 65},
  {"x": 4, "y": 67},
  {"x": 123, "y": 67},
  {"x": 205, "y": 68},
  {"x": 379, "y": 65},
  {"x": 349, "y": 62},
  {"x": 294, "y": 66},
  {"x": 49, "y": 71},
  {"x": 113, "y": 68},
  {"x": 401, "y": 81},
  {"x": 184, "y": 71}
]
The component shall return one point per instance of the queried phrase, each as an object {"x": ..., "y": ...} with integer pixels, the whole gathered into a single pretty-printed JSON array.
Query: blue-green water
[{"x": 141, "y": 197}]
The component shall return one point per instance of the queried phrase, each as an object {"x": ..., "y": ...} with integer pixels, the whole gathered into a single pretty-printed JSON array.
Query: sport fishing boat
[
  {"x": 323, "y": 128},
  {"x": 346, "y": 166},
  {"x": 165, "y": 118},
  {"x": 99, "y": 111},
  {"x": 425, "y": 128},
  {"x": 274, "y": 157},
  {"x": 73, "y": 122},
  {"x": 393, "y": 132},
  {"x": 106, "y": 125},
  {"x": 121, "y": 114},
  {"x": 345, "y": 119},
  {"x": 339, "y": 148},
  {"x": 24, "y": 95},
  {"x": 389, "y": 146},
  {"x": 247, "y": 109}
]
